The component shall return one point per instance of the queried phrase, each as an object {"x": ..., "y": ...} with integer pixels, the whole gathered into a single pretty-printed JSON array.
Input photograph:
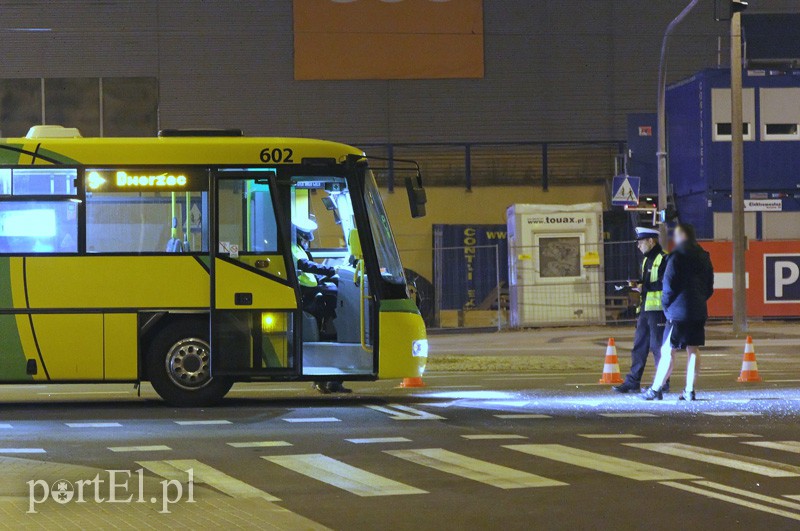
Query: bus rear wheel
[{"x": 178, "y": 365}]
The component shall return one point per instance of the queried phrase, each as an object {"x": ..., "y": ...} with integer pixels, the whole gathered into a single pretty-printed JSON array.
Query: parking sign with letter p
[{"x": 781, "y": 278}]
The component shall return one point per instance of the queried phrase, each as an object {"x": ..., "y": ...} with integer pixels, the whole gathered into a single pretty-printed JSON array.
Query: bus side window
[{"x": 38, "y": 227}]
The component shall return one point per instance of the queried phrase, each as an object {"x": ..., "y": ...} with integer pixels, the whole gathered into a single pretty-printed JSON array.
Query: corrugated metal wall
[{"x": 555, "y": 69}]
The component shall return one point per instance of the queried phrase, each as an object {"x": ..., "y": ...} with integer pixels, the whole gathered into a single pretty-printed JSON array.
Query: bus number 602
[{"x": 276, "y": 155}]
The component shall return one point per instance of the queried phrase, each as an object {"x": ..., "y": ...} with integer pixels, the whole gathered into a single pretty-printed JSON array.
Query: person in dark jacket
[
  {"x": 650, "y": 322},
  {"x": 688, "y": 284}
]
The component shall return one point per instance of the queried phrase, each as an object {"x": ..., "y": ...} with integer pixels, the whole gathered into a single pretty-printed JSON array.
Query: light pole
[{"x": 661, "y": 154}]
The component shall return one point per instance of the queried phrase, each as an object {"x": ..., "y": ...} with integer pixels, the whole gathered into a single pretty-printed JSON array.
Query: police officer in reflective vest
[
  {"x": 318, "y": 282},
  {"x": 651, "y": 321}
]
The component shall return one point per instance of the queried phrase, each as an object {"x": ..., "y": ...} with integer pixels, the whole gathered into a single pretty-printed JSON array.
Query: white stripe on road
[
  {"x": 726, "y": 435},
  {"x": 341, "y": 475},
  {"x": 792, "y": 496},
  {"x": 470, "y": 468},
  {"x": 610, "y": 436},
  {"x": 5, "y": 426},
  {"x": 401, "y": 412},
  {"x": 785, "y": 446},
  {"x": 627, "y": 415},
  {"x": 22, "y": 451},
  {"x": 313, "y": 419},
  {"x": 746, "y": 463},
  {"x": 748, "y": 494},
  {"x": 492, "y": 437},
  {"x": 94, "y": 424},
  {"x": 212, "y": 477},
  {"x": 731, "y": 499},
  {"x": 153, "y": 448},
  {"x": 732, "y": 413},
  {"x": 600, "y": 462},
  {"x": 523, "y": 416},
  {"x": 201, "y": 422},
  {"x": 379, "y": 440},
  {"x": 259, "y": 444}
]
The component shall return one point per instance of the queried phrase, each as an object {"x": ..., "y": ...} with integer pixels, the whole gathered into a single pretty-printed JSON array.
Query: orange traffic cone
[
  {"x": 749, "y": 365},
  {"x": 412, "y": 382},
  {"x": 611, "y": 366}
]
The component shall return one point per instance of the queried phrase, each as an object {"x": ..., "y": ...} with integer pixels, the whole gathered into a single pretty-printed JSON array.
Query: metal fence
[
  {"x": 468, "y": 287},
  {"x": 502, "y": 163}
]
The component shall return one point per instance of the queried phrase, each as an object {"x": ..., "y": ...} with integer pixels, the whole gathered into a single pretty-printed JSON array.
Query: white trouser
[{"x": 665, "y": 365}]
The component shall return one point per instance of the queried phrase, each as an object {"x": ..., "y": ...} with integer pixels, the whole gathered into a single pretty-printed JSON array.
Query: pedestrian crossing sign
[{"x": 625, "y": 191}]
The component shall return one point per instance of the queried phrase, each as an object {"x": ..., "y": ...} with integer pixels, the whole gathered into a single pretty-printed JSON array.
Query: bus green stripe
[
  {"x": 12, "y": 357},
  {"x": 399, "y": 305}
]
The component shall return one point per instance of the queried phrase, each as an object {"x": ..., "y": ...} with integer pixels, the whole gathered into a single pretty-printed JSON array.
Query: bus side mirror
[
  {"x": 354, "y": 244},
  {"x": 416, "y": 196}
]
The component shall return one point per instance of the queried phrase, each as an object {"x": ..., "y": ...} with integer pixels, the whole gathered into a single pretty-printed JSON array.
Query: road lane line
[
  {"x": 220, "y": 480},
  {"x": 94, "y": 425},
  {"x": 730, "y": 499},
  {"x": 22, "y": 451},
  {"x": 152, "y": 448},
  {"x": 379, "y": 440},
  {"x": 523, "y": 416},
  {"x": 785, "y": 446},
  {"x": 492, "y": 437},
  {"x": 792, "y": 496},
  {"x": 748, "y": 494},
  {"x": 745, "y": 463},
  {"x": 726, "y": 435},
  {"x": 627, "y": 415},
  {"x": 610, "y": 436},
  {"x": 312, "y": 419},
  {"x": 201, "y": 422},
  {"x": 470, "y": 468},
  {"x": 732, "y": 413},
  {"x": 259, "y": 444},
  {"x": 602, "y": 463},
  {"x": 401, "y": 412},
  {"x": 343, "y": 476}
]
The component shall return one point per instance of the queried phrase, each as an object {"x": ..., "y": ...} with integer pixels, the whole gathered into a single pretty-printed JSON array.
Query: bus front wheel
[{"x": 178, "y": 365}]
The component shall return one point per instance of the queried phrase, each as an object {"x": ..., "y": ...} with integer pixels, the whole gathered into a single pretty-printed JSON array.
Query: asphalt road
[{"x": 472, "y": 450}]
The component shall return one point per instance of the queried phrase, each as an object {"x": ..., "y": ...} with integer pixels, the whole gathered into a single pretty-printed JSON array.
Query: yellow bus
[{"x": 170, "y": 260}]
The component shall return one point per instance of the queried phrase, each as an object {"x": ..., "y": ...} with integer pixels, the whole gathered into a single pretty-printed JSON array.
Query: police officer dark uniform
[{"x": 650, "y": 322}]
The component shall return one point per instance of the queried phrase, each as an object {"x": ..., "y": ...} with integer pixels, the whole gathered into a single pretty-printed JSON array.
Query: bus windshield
[{"x": 385, "y": 247}]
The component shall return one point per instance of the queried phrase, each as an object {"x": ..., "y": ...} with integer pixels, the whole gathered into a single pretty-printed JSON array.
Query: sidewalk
[{"x": 583, "y": 348}]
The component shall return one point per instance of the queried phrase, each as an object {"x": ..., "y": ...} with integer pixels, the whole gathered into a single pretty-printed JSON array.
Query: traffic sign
[{"x": 625, "y": 191}]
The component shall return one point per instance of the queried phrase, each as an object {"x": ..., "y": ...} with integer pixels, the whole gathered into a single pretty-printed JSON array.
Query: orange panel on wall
[{"x": 388, "y": 39}]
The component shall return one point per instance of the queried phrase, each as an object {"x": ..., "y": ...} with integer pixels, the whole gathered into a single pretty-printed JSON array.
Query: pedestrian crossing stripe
[
  {"x": 601, "y": 462},
  {"x": 341, "y": 475},
  {"x": 785, "y": 446},
  {"x": 521, "y": 416},
  {"x": 379, "y": 440},
  {"x": 470, "y": 468},
  {"x": 401, "y": 412},
  {"x": 727, "y": 435},
  {"x": 151, "y": 448},
  {"x": 746, "y": 463},
  {"x": 610, "y": 436},
  {"x": 730, "y": 499},
  {"x": 178, "y": 469},
  {"x": 259, "y": 444},
  {"x": 492, "y": 437},
  {"x": 748, "y": 494}
]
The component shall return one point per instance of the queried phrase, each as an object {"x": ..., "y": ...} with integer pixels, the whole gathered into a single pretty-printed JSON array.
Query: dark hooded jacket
[{"x": 688, "y": 283}]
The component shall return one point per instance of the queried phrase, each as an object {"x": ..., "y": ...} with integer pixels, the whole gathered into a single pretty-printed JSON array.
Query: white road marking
[
  {"x": 94, "y": 424},
  {"x": 467, "y": 467},
  {"x": 203, "y": 473},
  {"x": 627, "y": 415},
  {"x": 732, "y": 413},
  {"x": 343, "y": 476},
  {"x": 313, "y": 419},
  {"x": 201, "y": 422},
  {"x": 153, "y": 448},
  {"x": 5, "y": 426},
  {"x": 786, "y": 446},
  {"x": 792, "y": 496},
  {"x": 401, "y": 412},
  {"x": 259, "y": 444},
  {"x": 600, "y": 462},
  {"x": 610, "y": 436},
  {"x": 726, "y": 435},
  {"x": 731, "y": 499},
  {"x": 492, "y": 437},
  {"x": 379, "y": 440},
  {"x": 523, "y": 416},
  {"x": 22, "y": 451},
  {"x": 748, "y": 494},
  {"x": 745, "y": 463}
]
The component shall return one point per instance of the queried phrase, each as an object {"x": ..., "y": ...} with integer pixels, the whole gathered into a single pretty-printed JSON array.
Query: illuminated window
[
  {"x": 38, "y": 227},
  {"x": 39, "y": 180}
]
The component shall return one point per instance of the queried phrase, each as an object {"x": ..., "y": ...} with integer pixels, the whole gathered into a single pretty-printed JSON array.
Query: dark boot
[
  {"x": 687, "y": 395},
  {"x": 337, "y": 387},
  {"x": 626, "y": 387}
]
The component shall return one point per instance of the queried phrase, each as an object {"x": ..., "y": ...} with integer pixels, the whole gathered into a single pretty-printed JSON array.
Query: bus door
[{"x": 254, "y": 304}]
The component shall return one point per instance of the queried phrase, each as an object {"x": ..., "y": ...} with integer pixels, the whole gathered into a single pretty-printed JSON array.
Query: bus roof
[{"x": 169, "y": 151}]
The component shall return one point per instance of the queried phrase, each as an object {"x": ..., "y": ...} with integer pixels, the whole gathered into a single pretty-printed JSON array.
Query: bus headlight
[{"x": 419, "y": 348}]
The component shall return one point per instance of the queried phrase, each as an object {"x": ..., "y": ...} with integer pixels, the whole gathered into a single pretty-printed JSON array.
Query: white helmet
[{"x": 305, "y": 228}]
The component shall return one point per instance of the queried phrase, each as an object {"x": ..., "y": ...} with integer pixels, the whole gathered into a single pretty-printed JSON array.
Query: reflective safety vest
[
  {"x": 652, "y": 300},
  {"x": 307, "y": 280}
]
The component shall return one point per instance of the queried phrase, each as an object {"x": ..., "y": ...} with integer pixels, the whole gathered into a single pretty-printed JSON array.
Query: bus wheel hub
[{"x": 187, "y": 363}]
